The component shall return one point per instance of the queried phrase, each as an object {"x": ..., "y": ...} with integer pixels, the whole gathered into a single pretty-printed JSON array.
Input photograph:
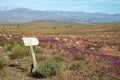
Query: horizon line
[{"x": 63, "y": 10}]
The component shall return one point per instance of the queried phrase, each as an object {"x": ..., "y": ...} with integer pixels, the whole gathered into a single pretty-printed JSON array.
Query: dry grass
[{"x": 70, "y": 39}]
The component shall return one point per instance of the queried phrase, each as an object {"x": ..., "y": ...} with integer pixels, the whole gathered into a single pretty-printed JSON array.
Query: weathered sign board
[{"x": 32, "y": 41}]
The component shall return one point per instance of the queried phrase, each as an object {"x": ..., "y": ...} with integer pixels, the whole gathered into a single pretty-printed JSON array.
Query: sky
[{"x": 102, "y": 6}]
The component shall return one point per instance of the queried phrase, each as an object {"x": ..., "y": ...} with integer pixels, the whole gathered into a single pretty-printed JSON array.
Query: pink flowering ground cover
[{"x": 86, "y": 57}]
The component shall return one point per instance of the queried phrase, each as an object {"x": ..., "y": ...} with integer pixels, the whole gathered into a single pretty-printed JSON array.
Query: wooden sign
[{"x": 30, "y": 41}]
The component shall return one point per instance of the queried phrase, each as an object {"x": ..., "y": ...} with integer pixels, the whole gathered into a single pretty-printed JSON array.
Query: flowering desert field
[{"x": 66, "y": 51}]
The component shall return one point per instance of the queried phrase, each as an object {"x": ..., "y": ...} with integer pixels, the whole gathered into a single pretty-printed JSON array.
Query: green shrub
[
  {"x": 9, "y": 44},
  {"x": 51, "y": 66},
  {"x": 75, "y": 66},
  {"x": 58, "y": 58},
  {"x": 15, "y": 46},
  {"x": 19, "y": 52},
  {"x": 44, "y": 68},
  {"x": 2, "y": 43},
  {"x": 80, "y": 57},
  {"x": 55, "y": 68}
]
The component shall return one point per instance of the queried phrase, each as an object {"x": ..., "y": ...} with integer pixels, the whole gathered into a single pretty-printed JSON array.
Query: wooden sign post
[{"x": 32, "y": 41}]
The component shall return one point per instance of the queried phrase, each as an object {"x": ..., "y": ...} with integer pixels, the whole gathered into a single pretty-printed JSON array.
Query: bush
[
  {"x": 2, "y": 43},
  {"x": 58, "y": 58},
  {"x": 51, "y": 66},
  {"x": 19, "y": 52},
  {"x": 9, "y": 44},
  {"x": 15, "y": 46},
  {"x": 44, "y": 68}
]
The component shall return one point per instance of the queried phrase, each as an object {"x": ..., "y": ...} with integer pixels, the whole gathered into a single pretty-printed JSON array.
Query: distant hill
[
  {"x": 25, "y": 15},
  {"x": 44, "y": 22}
]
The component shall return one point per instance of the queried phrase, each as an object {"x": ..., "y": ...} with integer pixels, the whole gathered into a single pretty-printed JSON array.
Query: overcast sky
[{"x": 103, "y": 6}]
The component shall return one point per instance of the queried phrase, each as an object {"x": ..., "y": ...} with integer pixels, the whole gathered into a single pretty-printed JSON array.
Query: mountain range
[{"x": 22, "y": 15}]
